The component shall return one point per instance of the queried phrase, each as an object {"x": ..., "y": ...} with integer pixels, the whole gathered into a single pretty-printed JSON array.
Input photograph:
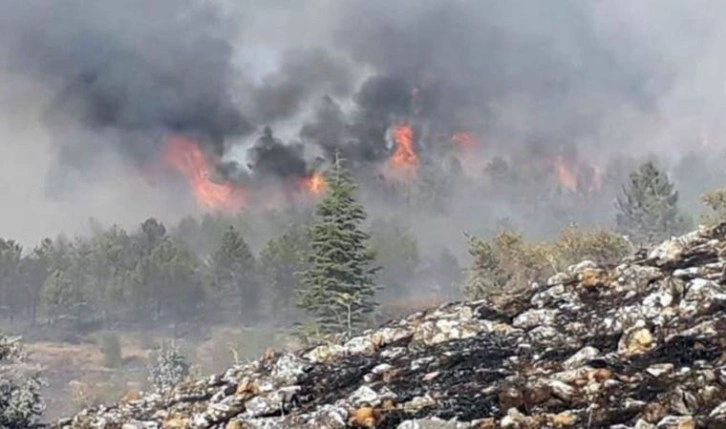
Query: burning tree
[
  {"x": 648, "y": 207},
  {"x": 338, "y": 287}
]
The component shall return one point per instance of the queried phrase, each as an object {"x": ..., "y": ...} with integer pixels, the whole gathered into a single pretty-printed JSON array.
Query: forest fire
[
  {"x": 404, "y": 157},
  {"x": 580, "y": 177},
  {"x": 464, "y": 141},
  {"x": 315, "y": 184},
  {"x": 184, "y": 155},
  {"x": 565, "y": 176}
]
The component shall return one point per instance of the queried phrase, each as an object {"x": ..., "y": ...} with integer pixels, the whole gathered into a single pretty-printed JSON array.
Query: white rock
[{"x": 578, "y": 359}]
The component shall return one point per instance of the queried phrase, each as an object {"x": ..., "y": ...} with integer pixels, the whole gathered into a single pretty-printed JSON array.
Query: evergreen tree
[
  {"x": 280, "y": 262},
  {"x": 234, "y": 273},
  {"x": 36, "y": 269},
  {"x": 64, "y": 299},
  {"x": 338, "y": 287},
  {"x": 174, "y": 281},
  {"x": 648, "y": 207},
  {"x": 11, "y": 299}
]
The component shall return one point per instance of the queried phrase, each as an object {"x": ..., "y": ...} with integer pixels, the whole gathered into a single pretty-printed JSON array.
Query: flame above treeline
[{"x": 184, "y": 155}]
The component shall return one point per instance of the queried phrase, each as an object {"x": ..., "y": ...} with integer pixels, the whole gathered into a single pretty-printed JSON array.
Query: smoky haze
[{"x": 89, "y": 90}]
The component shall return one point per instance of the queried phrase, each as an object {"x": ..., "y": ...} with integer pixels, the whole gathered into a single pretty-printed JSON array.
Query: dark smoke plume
[
  {"x": 133, "y": 67},
  {"x": 533, "y": 80}
]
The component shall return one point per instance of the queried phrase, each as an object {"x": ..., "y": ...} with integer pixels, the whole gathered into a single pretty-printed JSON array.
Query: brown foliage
[
  {"x": 509, "y": 262},
  {"x": 715, "y": 201}
]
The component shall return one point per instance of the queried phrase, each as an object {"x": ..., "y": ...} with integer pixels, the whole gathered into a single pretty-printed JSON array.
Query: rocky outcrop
[{"x": 638, "y": 345}]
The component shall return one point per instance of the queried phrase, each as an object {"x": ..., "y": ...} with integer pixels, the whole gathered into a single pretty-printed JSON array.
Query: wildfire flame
[
  {"x": 184, "y": 155},
  {"x": 404, "y": 157},
  {"x": 579, "y": 177},
  {"x": 315, "y": 184},
  {"x": 565, "y": 176},
  {"x": 464, "y": 141}
]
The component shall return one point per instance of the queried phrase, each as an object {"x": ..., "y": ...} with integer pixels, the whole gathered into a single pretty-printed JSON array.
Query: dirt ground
[{"x": 77, "y": 376}]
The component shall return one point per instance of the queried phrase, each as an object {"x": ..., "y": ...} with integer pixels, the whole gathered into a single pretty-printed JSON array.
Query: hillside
[{"x": 641, "y": 344}]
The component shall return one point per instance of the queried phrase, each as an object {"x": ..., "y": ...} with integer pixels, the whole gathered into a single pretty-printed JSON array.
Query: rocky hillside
[{"x": 640, "y": 345}]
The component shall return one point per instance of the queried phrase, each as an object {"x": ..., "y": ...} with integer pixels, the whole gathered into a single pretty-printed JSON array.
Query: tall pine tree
[
  {"x": 648, "y": 207},
  {"x": 235, "y": 274},
  {"x": 338, "y": 288},
  {"x": 280, "y": 262}
]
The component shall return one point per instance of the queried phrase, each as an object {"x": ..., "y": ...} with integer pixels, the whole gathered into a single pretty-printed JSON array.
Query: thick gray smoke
[{"x": 275, "y": 84}]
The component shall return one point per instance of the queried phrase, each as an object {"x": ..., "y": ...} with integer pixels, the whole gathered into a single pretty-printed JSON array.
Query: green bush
[
  {"x": 509, "y": 263},
  {"x": 20, "y": 402},
  {"x": 168, "y": 367}
]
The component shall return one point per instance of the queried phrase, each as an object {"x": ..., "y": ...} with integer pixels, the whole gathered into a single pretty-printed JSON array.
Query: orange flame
[
  {"x": 565, "y": 175},
  {"x": 583, "y": 177},
  {"x": 464, "y": 141},
  {"x": 315, "y": 184},
  {"x": 184, "y": 155},
  {"x": 404, "y": 156}
]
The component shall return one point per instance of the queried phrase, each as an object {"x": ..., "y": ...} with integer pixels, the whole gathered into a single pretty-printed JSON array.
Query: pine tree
[
  {"x": 648, "y": 207},
  {"x": 235, "y": 273},
  {"x": 338, "y": 287},
  {"x": 280, "y": 262}
]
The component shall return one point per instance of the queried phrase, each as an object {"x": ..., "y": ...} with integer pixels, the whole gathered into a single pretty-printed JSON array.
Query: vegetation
[
  {"x": 234, "y": 271},
  {"x": 715, "y": 202},
  {"x": 20, "y": 402},
  {"x": 168, "y": 367},
  {"x": 508, "y": 262},
  {"x": 338, "y": 287},
  {"x": 648, "y": 207}
]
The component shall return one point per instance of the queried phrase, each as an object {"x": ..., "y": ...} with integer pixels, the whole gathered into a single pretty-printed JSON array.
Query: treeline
[
  {"x": 196, "y": 271},
  {"x": 219, "y": 270},
  {"x": 647, "y": 212}
]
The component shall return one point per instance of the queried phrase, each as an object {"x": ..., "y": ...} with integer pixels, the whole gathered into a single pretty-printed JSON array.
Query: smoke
[{"x": 269, "y": 88}]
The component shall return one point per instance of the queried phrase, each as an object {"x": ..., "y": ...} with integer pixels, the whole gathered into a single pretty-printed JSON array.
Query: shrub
[
  {"x": 715, "y": 201},
  {"x": 598, "y": 245},
  {"x": 20, "y": 402},
  {"x": 168, "y": 367},
  {"x": 508, "y": 262}
]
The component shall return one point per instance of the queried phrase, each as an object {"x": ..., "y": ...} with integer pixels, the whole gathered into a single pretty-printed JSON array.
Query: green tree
[
  {"x": 280, "y": 262},
  {"x": 36, "y": 270},
  {"x": 234, "y": 274},
  {"x": 109, "y": 259},
  {"x": 338, "y": 287},
  {"x": 648, "y": 206},
  {"x": 64, "y": 299},
  {"x": 11, "y": 294},
  {"x": 174, "y": 280}
]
